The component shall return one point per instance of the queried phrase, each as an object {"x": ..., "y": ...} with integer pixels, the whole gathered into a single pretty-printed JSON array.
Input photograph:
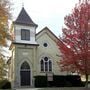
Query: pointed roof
[
  {"x": 24, "y": 18},
  {"x": 49, "y": 33}
]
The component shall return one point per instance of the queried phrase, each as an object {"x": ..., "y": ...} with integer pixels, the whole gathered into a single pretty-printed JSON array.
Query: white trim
[
  {"x": 17, "y": 32},
  {"x": 47, "y": 63},
  {"x": 50, "y": 58}
]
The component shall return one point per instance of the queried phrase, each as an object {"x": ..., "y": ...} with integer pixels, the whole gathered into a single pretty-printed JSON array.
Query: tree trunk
[{"x": 86, "y": 83}]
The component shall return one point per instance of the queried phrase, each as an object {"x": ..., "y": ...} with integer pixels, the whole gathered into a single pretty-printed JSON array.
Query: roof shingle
[{"x": 24, "y": 18}]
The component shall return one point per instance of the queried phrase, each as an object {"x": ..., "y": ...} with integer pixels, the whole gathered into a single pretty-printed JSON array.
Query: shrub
[
  {"x": 59, "y": 81},
  {"x": 5, "y": 84},
  {"x": 40, "y": 81}
]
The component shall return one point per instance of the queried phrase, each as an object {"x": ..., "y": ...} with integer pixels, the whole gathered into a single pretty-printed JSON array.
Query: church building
[{"x": 34, "y": 55}]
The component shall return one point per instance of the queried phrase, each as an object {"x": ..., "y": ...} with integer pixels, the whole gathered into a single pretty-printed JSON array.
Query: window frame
[
  {"x": 25, "y": 34},
  {"x": 25, "y": 66},
  {"x": 45, "y": 65}
]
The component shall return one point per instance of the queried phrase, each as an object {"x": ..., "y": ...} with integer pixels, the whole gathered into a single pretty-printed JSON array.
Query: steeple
[
  {"x": 24, "y": 18},
  {"x": 25, "y": 29}
]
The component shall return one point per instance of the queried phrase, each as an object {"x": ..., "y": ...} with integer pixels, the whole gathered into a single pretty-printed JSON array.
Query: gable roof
[
  {"x": 24, "y": 18},
  {"x": 49, "y": 33}
]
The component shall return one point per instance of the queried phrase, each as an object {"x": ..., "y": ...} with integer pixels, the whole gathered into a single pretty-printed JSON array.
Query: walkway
[{"x": 65, "y": 88}]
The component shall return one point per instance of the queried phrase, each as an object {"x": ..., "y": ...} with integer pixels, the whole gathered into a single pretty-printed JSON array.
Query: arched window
[
  {"x": 25, "y": 74},
  {"x": 50, "y": 66},
  {"x": 25, "y": 65},
  {"x": 42, "y": 65},
  {"x": 46, "y": 64}
]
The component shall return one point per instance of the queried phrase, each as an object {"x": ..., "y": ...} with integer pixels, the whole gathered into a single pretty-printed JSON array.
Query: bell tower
[
  {"x": 24, "y": 29},
  {"x": 24, "y": 51}
]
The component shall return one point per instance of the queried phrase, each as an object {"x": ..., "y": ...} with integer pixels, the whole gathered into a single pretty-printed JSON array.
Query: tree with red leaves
[{"x": 75, "y": 41}]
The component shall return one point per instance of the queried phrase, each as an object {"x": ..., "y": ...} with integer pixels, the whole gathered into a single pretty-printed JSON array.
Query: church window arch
[
  {"x": 25, "y": 74},
  {"x": 25, "y": 65},
  {"x": 46, "y": 64}
]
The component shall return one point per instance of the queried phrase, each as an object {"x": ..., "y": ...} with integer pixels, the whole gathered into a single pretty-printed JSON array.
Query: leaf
[{"x": 74, "y": 44}]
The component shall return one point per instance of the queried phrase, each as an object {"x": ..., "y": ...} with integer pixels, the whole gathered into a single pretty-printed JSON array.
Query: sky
[{"x": 48, "y": 13}]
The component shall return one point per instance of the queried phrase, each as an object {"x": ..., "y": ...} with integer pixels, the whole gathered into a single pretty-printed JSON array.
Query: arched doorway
[{"x": 25, "y": 74}]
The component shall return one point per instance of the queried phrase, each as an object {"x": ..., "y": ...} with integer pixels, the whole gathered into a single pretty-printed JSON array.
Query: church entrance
[{"x": 25, "y": 74}]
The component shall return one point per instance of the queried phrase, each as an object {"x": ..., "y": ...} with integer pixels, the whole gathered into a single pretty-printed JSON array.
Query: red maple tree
[{"x": 75, "y": 41}]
